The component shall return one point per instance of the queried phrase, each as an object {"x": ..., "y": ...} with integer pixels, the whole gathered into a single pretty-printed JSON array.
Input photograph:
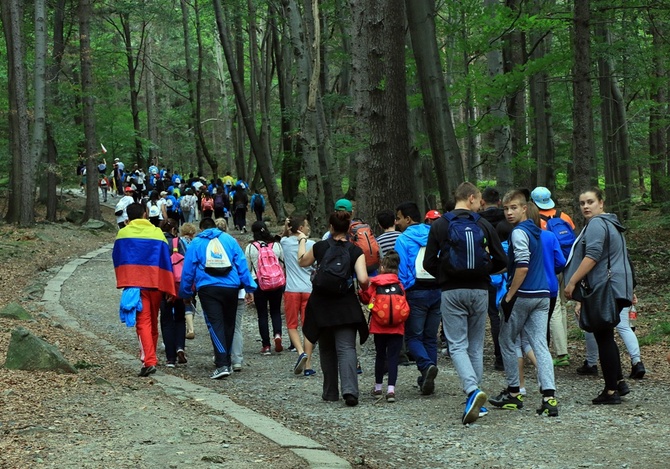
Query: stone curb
[{"x": 315, "y": 454}]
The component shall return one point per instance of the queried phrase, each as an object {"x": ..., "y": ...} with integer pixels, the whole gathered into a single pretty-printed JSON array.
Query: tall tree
[
  {"x": 88, "y": 101},
  {"x": 658, "y": 124},
  {"x": 444, "y": 146},
  {"x": 383, "y": 173},
  {"x": 21, "y": 202},
  {"x": 40, "y": 86},
  {"x": 264, "y": 161}
]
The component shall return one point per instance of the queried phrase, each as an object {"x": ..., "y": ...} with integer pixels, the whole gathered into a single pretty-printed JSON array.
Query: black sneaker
[
  {"x": 350, "y": 400},
  {"x": 428, "y": 382},
  {"x": 607, "y": 399},
  {"x": 638, "y": 371},
  {"x": 505, "y": 400},
  {"x": 622, "y": 388},
  {"x": 549, "y": 407},
  {"x": 585, "y": 369},
  {"x": 146, "y": 371}
]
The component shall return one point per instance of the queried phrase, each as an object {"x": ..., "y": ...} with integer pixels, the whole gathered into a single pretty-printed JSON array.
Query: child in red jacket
[{"x": 388, "y": 311}]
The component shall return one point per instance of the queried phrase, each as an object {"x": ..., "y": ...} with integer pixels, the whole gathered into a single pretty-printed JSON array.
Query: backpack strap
[{"x": 175, "y": 244}]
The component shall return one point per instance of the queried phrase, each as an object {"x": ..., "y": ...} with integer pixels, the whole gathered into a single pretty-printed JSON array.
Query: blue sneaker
[
  {"x": 483, "y": 411},
  {"x": 309, "y": 372},
  {"x": 300, "y": 364},
  {"x": 475, "y": 401}
]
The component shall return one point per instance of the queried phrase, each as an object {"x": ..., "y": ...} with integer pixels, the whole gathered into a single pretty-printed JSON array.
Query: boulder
[
  {"x": 75, "y": 216},
  {"x": 94, "y": 225},
  {"x": 26, "y": 351},
  {"x": 15, "y": 311}
]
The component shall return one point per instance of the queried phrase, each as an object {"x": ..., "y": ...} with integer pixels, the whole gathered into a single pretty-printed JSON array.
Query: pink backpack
[
  {"x": 270, "y": 274},
  {"x": 177, "y": 260}
]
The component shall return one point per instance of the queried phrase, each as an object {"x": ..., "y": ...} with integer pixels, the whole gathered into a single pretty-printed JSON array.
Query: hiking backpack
[
  {"x": 466, "y": 252},
  {"x": 219, "y": 202},
  {"x": 361, "y": 235},
  {"x": 207, "y": 204},
  {"x": 563, "y": 231},
  {"x": 217, "y": 262},
  {"x": 177, "y": 259},
  {"x": 258, "y": 202},
  {"x": 154, "y": 210},
  {"x": 269, "y": 273},
  {"x": 333, "y": 275},
  {"x": 185, "y": 203},
  {"x": 389, "y": 305}
]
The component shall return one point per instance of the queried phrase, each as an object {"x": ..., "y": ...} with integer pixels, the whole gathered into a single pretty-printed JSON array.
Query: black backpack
[{"x": 333, "y": 274}]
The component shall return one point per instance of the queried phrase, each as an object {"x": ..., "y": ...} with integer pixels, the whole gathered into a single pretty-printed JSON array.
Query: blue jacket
[
  {"x": 193, "y": 272},
  {"x": 525, "y": 250},
  {"x": 407, "y": 246},
  {"x": 258, "y": 196},
  {"x": 554, "y": 260}
]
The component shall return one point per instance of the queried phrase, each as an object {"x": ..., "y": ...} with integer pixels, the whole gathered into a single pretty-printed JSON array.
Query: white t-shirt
[
  {"x": 298, "y": 279},
  {"x": 122, "y": 204},
  {"x": 251, "y": 253}
]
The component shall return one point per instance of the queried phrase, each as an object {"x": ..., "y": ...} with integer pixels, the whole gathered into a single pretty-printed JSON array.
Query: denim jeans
[
  {"x": 422, "y": 325},
  {"x": 173, "y": 327},
  {"x": 261, "y": 300}
]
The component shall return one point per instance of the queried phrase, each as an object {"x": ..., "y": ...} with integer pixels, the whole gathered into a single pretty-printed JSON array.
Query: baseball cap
[
  {"x": 128, "y": 189},
  {"x": 542, "y": 198},
  {"x": 432, "y": 215},
  {"x": 343, "y": 205},
  {"x": 163, "y": 193}
]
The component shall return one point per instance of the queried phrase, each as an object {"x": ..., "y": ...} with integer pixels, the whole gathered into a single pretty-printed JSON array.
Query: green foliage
[{"x": 659, "y": 333}]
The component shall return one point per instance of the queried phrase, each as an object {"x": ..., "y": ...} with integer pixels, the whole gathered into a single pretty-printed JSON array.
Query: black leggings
[
  {"x": 610, "y": 361},
  {"x": 387, "y": 347}
]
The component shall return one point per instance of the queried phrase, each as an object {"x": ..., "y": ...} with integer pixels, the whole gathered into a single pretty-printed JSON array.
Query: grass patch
[{"x": 657, "y": 334}]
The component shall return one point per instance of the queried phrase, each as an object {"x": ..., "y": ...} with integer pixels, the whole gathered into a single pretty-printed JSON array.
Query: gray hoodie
[{"x": 591, "y": 243}]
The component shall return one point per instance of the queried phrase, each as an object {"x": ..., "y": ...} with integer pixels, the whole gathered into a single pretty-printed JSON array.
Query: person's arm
[
  {"x": 519, "y": 276},
  {"x": 559, "y": 258},
  {"x": 305, "y": 258},
  {"x": 431, "y": 261},
  {"x": 584, "y": 268},
  {"x": 240, "y": 262},
  {"x": 521, "y": 243},
  {"x": 404, "y": 274},
  {"x": 496, "y": 251},
  {"x": 361, "y": 270},
  {"x": 188, "y": 274}
]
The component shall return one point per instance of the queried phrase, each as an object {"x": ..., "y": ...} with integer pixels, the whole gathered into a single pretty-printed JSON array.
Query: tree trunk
[
  {"x": 226, "y": 117},
  {"x": 382, "y": 174},
  {"x": 441, "y": 134},
  {"x": 263, "y": 159},
  {"x": 657, "y": 120},
  {"x": 202, "y": 141},
  {"x": 20, "y": 206},
  {"x": 498, "y": 108},
  {"x": 152, "y": 103},
  {"x": 132, "y": 63},
  {"x": 582, "y": 117},
  {"x": 87, "y": 91},
  {"x": 317, "y": 209},
  {"x": 514, "y": 56},
  {"x": 39, "y": 125}
]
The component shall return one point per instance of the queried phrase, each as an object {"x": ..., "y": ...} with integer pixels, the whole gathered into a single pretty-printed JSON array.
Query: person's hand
[
  {"x": 569, "y": 288},
  {"x": 301, "y": 236},
  {"x": 578, "y": 309},
  {"x": 668, "y": 358},
  {"x": 634, "y": 299},
  {"x": 249, "y": 299}
]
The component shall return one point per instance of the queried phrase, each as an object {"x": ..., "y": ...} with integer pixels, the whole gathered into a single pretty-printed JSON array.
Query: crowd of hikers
[{"x": 515, "y": 260}]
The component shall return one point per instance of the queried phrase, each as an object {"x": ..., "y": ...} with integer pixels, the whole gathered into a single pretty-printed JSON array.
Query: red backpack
[
  {"x": 389, "y": 305},
  {"x": 361, "y": 235},
  {"x": 269, "y": 274},
  {"x": 207, "y": 204}
]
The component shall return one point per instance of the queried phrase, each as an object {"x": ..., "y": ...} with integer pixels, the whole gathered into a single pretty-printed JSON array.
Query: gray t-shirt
[{"x": 297, "y": 278}]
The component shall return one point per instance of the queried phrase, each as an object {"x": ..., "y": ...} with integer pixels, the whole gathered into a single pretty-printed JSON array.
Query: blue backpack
[
  {"x": 467, "y": 246},
  {"x": 562, "y": 230}
]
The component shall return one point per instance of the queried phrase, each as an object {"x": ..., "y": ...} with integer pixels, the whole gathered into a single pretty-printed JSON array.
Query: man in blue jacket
[
  {"x": 525, "y": 307},
  {"x": 217, "y": 291},
  {"x": 423, "y": 294}
]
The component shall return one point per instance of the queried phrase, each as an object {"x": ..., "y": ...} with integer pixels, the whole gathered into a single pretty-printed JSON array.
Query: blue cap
[{"x": 542, "y": 198}]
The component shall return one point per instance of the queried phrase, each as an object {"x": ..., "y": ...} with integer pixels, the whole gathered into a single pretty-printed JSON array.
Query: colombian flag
[{"x": 141, "y": 258}]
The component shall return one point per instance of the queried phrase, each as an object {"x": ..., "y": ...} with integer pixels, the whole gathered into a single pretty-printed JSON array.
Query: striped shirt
[{"x": 387, "y": 240}]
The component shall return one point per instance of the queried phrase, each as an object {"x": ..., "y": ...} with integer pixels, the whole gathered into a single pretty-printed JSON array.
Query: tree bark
[
  {"x": 382, "y": 173},
  {"x": 202, "y": 141},
  {"x": 92, "y": 201},
  {"x": 498, "y": 108},
  {"x": 152, "y": 103},
  {"x": 444, "y": 146},
  {"x": 308, "y": 139},
  {"x": 20, "y": 207},
  {"x": 132, "y": 62},
  {"x": 39, "y": 125},
  {"x": 657, "y": 120},
  {"x": 582, "y": 117}
]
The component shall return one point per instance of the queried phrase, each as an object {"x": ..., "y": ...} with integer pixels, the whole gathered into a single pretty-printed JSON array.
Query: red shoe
[
  {"x": 265, "y": 350},
  {"x": 278, "y": 345}
]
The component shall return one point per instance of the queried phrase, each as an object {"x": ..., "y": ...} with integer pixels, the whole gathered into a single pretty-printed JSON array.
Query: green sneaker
[
  {"x": 549, "y": 407},
  {"x": 562, "y": 361}
]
